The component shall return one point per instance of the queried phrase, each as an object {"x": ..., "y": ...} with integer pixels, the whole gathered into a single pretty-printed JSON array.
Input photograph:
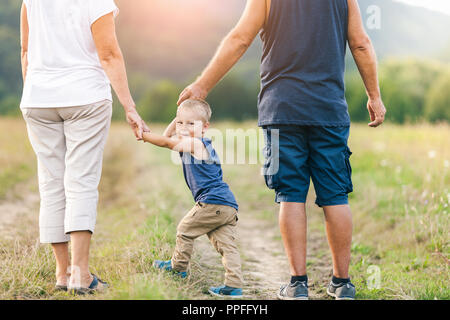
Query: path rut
[{"x": 18, "y": 208}]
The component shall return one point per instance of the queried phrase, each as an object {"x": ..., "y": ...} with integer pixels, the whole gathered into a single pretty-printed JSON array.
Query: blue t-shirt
[
  {"x": 303, "y": 64},
  {"x": 205, "y": 179}
]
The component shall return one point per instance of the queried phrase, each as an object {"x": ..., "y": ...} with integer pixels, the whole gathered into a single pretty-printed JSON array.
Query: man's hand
[
  {"x": 193, "y": 91},
  {"x": 377, "y": 112},
  {"x": 137, "y": 124}
]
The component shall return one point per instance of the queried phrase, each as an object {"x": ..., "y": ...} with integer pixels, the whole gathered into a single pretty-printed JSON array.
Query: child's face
[{"x": 189, "y": 123}]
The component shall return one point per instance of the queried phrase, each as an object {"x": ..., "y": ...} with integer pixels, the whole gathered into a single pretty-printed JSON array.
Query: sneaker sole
[
  {"x": 280, "y": 297},
  {"x": 334, "y": 296},
  {"x": 223, "y": 296},
  {"x": 155, "y": 266}
]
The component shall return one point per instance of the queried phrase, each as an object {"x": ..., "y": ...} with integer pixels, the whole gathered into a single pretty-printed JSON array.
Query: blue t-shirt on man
[
  {"x": 303, "y": 64},
  {"x": 205, "y": 179}
]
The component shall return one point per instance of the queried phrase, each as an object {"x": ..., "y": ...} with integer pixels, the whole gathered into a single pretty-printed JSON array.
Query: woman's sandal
[
  {"x": 60, "y": 287},
  {"x": 93, "y": 288}
]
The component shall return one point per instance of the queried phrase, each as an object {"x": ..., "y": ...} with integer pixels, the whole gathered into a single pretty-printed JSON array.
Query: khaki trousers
[
  {"x": 69, "y": 144},
  {"x": 219, "y": 223}
]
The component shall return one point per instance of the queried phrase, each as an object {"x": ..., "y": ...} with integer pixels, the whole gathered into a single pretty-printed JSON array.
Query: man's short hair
[{"x": 199, "y": 105}]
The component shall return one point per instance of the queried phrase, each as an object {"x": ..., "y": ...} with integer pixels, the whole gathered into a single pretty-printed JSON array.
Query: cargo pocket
[
  {"x": 270, "y": 174},
  {"x": 348, "y": 154},
  {"x": 195, "y": 209}
]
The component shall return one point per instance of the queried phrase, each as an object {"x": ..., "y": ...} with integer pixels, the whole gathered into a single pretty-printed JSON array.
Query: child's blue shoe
[
  {"x": 226, "y": 292},
  {"x": 167, "y": 266}
]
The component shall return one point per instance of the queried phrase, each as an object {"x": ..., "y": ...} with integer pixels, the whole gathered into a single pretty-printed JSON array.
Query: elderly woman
[{"x": 70, "y": 56}]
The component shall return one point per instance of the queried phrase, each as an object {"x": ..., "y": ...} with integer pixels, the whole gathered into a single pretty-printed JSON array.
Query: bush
[
  {"x": 437, "y": 106},
  {"x": 234, "y": 99},
  {"x": 404, "y": 85},
  {"x": 159, "y": 103},
  {"x": 405, "y": 88},
  {"x": 356, "y": 98}
]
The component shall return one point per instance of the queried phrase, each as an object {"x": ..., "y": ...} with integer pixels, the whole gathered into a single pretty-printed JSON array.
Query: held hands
[
  {"x": 377, "y": 112},
  {"x": 194, "y": 91},
  {"x": 136, "y": 123}
]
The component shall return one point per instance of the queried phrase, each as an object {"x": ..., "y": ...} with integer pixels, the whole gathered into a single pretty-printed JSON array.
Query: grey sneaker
[
  {"x": 296, "y": 291},
  {"x": 343, "y": 291}
]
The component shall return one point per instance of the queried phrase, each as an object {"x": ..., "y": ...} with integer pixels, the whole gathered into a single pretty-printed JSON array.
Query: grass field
[{"x": 400, "y": 205}]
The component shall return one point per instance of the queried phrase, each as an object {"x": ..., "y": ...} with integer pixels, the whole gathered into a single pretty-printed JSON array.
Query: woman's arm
[
  {"x": 111, "y": 58},
  {"x": 24, "y": 31}
]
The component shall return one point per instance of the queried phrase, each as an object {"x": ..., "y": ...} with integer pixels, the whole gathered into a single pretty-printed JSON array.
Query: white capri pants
[{"x": 69, "y": 144}]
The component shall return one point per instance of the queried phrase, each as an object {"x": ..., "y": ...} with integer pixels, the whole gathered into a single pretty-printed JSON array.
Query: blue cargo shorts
[{"x": 296, "y": 154}]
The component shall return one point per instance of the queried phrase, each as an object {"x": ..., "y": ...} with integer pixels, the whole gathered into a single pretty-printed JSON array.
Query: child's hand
[
  {"x": 146, "y": 128},
  {"x": 137, "y": 124}
]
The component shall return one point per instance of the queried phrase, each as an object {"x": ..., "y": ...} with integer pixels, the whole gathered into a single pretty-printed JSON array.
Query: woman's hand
[{"x": 136, "y": 123}]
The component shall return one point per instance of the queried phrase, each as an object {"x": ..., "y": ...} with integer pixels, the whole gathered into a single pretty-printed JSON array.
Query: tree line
[{"x": 413, "y": 90}]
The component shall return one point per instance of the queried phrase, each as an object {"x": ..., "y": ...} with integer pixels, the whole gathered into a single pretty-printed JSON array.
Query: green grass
[
  {"x": 400, "y": 205},
  {"x": 17, "y": 163},
  {"x": 11, "y": 176},
  {"x": 401, "y": 212}
]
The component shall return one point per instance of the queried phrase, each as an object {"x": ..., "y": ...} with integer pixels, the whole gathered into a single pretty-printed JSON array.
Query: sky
[{"x": 438, "y": 5}]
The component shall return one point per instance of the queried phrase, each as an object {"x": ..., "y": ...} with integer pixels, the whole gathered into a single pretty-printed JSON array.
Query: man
[{"x": 302, "y": 101}]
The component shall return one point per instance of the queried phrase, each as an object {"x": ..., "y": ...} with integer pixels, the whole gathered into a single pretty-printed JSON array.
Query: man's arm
[
  {"x": 111, "y": 58},
  {"x": 24, "y": 31},
  {"x": 230, "y": 51},
  {"x": 366, "y": 60}
]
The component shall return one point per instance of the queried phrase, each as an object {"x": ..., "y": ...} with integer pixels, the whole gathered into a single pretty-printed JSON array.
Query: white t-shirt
[{"x": 64, "y": 69}]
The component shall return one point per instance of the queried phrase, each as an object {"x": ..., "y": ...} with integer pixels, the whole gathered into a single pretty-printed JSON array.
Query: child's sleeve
[{"x": 212, "y": 155}]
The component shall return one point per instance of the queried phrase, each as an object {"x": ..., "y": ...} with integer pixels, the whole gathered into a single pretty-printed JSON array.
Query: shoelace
[
  {"x": 303, "y": 283},
  {"x": 348, "y": 285}
]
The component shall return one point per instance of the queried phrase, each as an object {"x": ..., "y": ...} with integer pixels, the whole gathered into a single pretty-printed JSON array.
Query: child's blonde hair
[{"x": 200, "y": 106}]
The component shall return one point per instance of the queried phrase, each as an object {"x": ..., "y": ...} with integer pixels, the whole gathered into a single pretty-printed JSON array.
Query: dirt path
[
  {"x": 18, "y": 209},
  {"x": 265, "y": 265}
]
